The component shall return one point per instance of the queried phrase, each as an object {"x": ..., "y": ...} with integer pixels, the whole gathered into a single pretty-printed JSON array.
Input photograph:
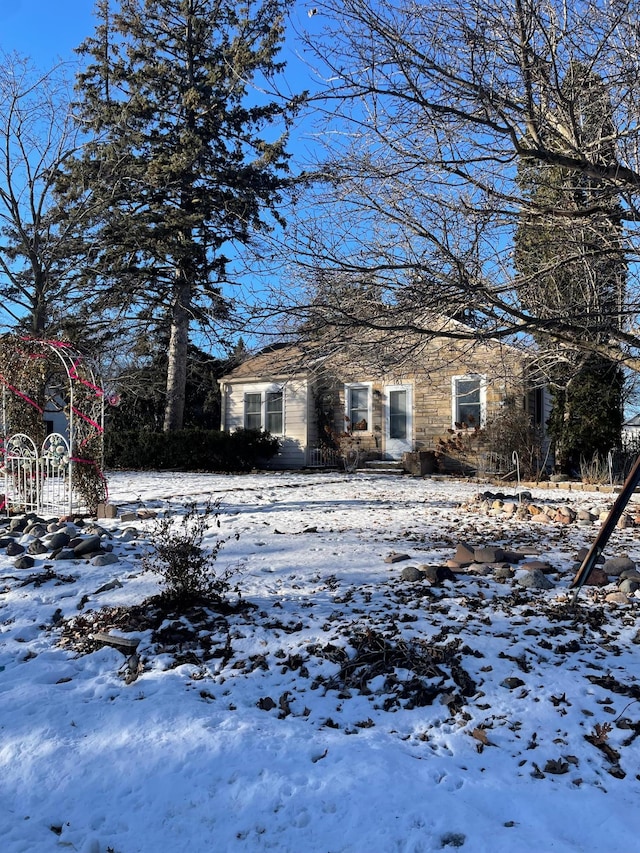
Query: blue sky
[{"x": 45, "y": 30}]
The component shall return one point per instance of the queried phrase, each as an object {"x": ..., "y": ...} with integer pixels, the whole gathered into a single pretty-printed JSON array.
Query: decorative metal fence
[
  {"x": 38, "y": 481},
  {"x": 324, "y": 457}
]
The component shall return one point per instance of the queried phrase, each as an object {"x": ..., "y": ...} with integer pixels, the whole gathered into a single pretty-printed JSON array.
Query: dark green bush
[{"x": 189, "y": 450}]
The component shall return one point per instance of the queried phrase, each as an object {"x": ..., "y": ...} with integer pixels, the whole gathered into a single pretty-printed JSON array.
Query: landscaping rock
[
  {"x": 503, "y": 572},
  {"x": 488, "y": 554},
  {"x": 538, "y": 566},
  {"x": 37, "y": 547},
  {"x": 630, "y": 575},
  {"x": 534, "y": 579},
  {"x": 90, "y": 545},
  {"x": 615, "y": 566},
  {"x": 411, "y": 573},
  {"x": 393, "y": 557},
  {"x": 628, "y": 586},
  {"x": 617, "y": 598},
  {"x": 104, "y": 560},
  {"x": 464, "y": 554},
  {"x": 58, "y": 540},
  {"x": 64, "y": 554},
  {"x": 597, "y": 577},
  {"x": 24, "y": 562}
]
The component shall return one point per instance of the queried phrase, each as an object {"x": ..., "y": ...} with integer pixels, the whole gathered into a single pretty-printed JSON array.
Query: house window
[
  {"x": 273, "y": 412},
  {"x": 253, "y": 411},
  {"x": 358, "y": 407},
  {"x": 468, "y": 401},
  {"x": 264, "y": 411}
]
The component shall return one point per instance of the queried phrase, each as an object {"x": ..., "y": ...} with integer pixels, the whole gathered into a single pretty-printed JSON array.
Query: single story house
[
  {"x": 312, "y": 398},
  {"x": 631, "y": 432}
]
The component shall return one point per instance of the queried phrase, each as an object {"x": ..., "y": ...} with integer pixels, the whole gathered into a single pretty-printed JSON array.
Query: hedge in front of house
[{"x": 188, "y": 450}]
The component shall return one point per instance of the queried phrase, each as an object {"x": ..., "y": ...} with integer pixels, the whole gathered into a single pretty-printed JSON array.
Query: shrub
[
  {"x": 189, "y": 450},
  {"x": 187, "y": 569}
]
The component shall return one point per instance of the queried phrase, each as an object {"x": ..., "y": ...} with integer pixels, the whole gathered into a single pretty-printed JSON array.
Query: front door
[{"x": 399, "y": 422}]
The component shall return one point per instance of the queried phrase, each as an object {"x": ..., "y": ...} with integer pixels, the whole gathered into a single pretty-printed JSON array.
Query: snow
[{"x": 290, "y": 742}]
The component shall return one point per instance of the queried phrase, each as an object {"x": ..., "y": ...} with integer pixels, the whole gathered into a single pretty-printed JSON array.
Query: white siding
[{"x": 293, "y": 442}]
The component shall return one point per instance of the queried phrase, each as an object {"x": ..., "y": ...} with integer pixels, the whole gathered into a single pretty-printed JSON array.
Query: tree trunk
[{"x": 177, "y": 365}]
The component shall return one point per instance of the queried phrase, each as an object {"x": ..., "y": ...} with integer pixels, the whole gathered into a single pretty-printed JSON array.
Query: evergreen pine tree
[
  {"x": 570, "y": 262},
  {"x": 177, "y": 164}
]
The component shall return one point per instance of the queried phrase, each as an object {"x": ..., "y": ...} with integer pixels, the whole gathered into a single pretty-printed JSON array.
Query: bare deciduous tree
[
  {"x": 430, "y": 108},
  {"x": 36, "y": 138}
]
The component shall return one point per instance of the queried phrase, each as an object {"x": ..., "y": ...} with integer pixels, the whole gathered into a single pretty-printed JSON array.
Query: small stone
[
  {"x": 14, "y": 549},
  {"x": 628, "y": 586},
  {"x": 129, "y": 516},
  {"x": 509, "y": 508},
  {"x": 480, "y": 569},
  {"x": 512, "y": 683},
  {"x": 129, "y": 533},
  {"x": 464, "y": 554},
  {"x": 583, "y": 552},
  {"x": 429, "y": 573},
  {"x": 587, "y": 515},
  {"x": 106, "y": 511},
  {"x": 503, "y": 572},
  {"x": 114, "y": 584},
  {"x": 444, "y": 574},
  {"x": 104, "y": 560},
  {"x": 597, "y": 577},
  {"x": 625, "y": 521},
  {"x": 617, "y": 565},
  {"x": 631, "y": 575},
  {"x": 37, "y": 547},
  {"x": 488, "y": 554},
  {"x": 513, "y": 556},
  {"x": 538, "y": 565},
  {"x": 90, "y": 545},
  {"x": 396, "y": 558},
  {"x": 411, "y": 573},
  {"x": 617, "y": 598},
  {"x": 64, "y": 554},
  {"x": 24, "y": 562},
  {"x": 36, "y": 528},
  {"x": 58, "y": 540},
  {"x": 540, "y": 518},
  {"x": 534, "y": 579}
]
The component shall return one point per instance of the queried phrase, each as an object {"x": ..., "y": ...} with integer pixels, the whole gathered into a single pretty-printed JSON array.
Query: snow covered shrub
[{"x": 184, "y": 561}]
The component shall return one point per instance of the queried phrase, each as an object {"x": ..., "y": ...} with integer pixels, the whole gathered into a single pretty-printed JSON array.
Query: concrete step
[{"x": 382, "y": 466}]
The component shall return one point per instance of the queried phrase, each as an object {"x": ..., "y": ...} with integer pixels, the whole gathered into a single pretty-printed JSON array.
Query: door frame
[{"x": 394, "y": 447}]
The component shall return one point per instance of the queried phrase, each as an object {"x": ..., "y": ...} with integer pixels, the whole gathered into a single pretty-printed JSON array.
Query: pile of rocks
[
  {"x": 29, "y": 536},
  {"x": 523, "y": 507},
  {"x": 503, "y": 565}
]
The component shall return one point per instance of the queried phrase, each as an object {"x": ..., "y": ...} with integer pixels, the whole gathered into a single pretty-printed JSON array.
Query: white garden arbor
[{"x": 51, "y": 428}]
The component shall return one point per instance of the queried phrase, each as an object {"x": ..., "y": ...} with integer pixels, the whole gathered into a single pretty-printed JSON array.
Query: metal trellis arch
[{"x": 52, "y": 428}]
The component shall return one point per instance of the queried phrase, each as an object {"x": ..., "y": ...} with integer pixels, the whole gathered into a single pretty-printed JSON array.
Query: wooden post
[{"x": 607, "y": 529}]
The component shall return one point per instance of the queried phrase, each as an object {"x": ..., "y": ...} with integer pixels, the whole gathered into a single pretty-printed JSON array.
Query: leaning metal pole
[{"x": 607, "y": 529}]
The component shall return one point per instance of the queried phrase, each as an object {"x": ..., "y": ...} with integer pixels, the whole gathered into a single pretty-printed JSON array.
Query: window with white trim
[
  {"x": 264, "y": 410},
  {"x": 358, "y": 407},
  {"x": 273, "y": 420},
  {"x": 468, "y": 401},
  {"x": 253, "y": 411}
]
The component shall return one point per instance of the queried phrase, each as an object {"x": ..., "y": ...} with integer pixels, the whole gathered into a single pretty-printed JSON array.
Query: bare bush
[{"x": 186, "y": 565}]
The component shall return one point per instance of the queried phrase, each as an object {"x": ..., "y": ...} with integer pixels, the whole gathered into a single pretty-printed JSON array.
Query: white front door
[{"x": 399, "y": 420}]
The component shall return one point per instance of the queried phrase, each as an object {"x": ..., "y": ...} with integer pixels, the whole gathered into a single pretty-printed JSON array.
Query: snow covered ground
[{"x": 343, "y": 709}]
